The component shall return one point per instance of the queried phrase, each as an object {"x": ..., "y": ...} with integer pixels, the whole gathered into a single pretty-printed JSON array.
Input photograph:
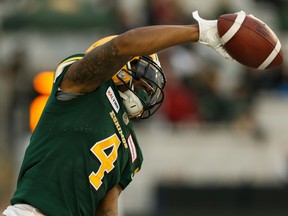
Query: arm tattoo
[{"x": 98, "y": 65}]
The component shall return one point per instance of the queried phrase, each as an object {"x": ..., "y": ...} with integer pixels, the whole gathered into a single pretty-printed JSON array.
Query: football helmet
[{"x": 143, "y": 80}]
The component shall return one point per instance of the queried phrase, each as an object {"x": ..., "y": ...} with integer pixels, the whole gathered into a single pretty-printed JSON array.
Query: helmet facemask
[{"x": 144, "y": 80}]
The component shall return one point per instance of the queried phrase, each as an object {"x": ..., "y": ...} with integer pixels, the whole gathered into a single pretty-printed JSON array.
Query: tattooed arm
[
  {"x": 104, "y": 61},
  {"x": 109, "y": 205}
]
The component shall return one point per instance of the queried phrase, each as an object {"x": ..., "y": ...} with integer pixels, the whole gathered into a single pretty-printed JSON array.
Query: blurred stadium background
[{"x": 219, "y": 145}]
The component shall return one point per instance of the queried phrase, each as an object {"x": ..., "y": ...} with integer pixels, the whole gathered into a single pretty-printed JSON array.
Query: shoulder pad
[{"x": 68, "y": 61}]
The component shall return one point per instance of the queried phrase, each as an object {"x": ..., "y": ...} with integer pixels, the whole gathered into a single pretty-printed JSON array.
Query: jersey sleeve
[
  {"x": 128, "y": 176},
  {"x": 65, "y": 63}
]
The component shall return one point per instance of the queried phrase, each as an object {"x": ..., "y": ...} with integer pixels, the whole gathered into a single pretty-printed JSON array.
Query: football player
[{"x": 84, "y": 151}]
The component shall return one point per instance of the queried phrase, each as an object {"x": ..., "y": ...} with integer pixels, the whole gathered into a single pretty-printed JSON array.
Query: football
[{"x": 250, "y": 41}]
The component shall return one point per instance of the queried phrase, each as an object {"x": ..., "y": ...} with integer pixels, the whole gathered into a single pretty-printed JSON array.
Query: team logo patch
[
  {"x": 112, "y": 98},
  {"x": 125, "y": 118},
  {"x": 132, "y": 148}
]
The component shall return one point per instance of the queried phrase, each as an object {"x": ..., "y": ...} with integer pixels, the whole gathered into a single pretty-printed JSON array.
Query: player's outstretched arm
[{"x": 101, "y": 63}]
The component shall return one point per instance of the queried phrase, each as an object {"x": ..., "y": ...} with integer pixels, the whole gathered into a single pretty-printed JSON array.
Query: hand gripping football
[{"x": 249, "y": 41}]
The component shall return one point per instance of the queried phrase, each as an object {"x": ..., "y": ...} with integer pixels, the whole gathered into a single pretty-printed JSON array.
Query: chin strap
[{"x": 132, "y": 103}]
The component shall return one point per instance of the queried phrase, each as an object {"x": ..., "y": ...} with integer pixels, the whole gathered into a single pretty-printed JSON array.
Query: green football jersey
[{"x": 80, "y": 149}]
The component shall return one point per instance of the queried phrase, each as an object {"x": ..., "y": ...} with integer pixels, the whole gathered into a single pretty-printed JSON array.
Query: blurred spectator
[
  {"x": 213, "y": 106},
  {"x": 180, "y": 105},
  {"x": 235, "y": 109},
  {"x": 165, "y": 12}
]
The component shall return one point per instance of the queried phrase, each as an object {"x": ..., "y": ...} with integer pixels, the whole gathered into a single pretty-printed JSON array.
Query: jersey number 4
[{"x": 106, "y": 160}]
